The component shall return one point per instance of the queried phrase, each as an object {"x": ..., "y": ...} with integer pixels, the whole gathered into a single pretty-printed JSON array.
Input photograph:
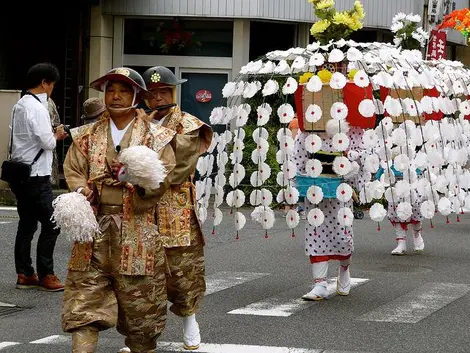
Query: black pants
[{"x": 34, "y": 204}]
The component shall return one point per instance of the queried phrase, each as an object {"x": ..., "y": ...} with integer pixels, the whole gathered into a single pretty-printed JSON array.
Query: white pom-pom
[
  {"x": 444, "y": 206},
  {"x": 345, "y": 217},
  {"x": 404, "y": 210},
  {"x": 143, "y": 167},
  {"x": 428, "y": 209},
  {"x": 377, "y": 212},
  {"x": 74, "y": 216}
]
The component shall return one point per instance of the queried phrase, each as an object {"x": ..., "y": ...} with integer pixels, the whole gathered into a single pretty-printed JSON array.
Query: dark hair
[{"x": 42, "y": 71}]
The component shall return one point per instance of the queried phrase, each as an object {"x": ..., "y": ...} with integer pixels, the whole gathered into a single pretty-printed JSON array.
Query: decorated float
[{"x": 411, "y": 114}]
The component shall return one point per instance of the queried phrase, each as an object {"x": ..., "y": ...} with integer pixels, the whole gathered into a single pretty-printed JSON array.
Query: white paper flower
[
  {"x": 292, "y": 219},
  {"x": 282, "y": 179},
  {"x": 377, "y": 212},
  {"x": 240, "y": 220},
  {"x": 345, "y": 217},
  {"x": 282, "y": 132},
  {"x": 314, "y": 194},
  {"x": 341, "y": 165},
  {"x": 338, "y": 81},
  {"x": 344, "y": 192},
  {"x": 339, "y": 111},
  {"x": 402, "y": 188},
  {"x": 335, "y": 56},
  {"x": 251, "y": 88},
  {"x": 261, "y": 197},
  {"x": 260, "y": 132},
  {"x": 369, "y": 139},
  {"x": 290, "y": 86},
  {"x": 353, "y": 54},
  {"x": 464, "y": 107},
  {"x": 289, "y": 169},
  {"x": 316, "y": 59},
  {"x": 313, "y": 143},
  {"x": 283, "y": 68},
  {"x": 444, "y": 206},
  {"x": 264, "y": 216},
  {"x": 315, "y": 217},
  {"x": 270, "y": 87},
  {"x": 371, "y": 163},
  {"x": 299, "y": 64},
  {"x": 340, "y": 142},
  {"x": 313, "y": 113},
  {"x": 202, "y": 214},
  {"x": 404, "y": 211},
  {"x": 401, "y": 162},
  {"x": 313, "y": 168},
  {"x": 235, "y": 198},
  {"x": 285, "y": 112},
  {"x": 361, "y": 79},
  {"x": 256, "y": 179},
  {"x": 314, "y": 84},
  {"x": 367, "y": 108},
  {"x": 291, "y": 195},
  {"x": 428, "y": 209},
  {"x": 228, "y": 89},
  {"x": 393, "y": 106}
]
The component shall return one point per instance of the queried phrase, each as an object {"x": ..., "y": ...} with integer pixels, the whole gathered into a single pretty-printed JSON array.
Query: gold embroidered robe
[
  {"x": 176, "y": 208},
  {"x": 87, "y": 164}
]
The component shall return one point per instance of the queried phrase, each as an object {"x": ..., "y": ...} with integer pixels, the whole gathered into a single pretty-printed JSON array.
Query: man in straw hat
[{"x": 119, "y": 278}]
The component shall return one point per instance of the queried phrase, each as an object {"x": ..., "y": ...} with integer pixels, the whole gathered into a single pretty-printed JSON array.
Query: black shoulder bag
[{"x": 13, "y": 171}]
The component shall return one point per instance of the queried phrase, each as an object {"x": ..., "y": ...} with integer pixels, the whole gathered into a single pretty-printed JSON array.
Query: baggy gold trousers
[
  {"x": 102, "y": 298},
  {"x": 186, "y": 282}
]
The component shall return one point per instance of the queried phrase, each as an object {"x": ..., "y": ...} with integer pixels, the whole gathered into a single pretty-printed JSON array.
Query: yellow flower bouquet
[{"x": 334, "y": 25}]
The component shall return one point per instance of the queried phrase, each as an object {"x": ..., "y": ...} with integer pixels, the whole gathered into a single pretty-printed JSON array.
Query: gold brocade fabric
[{"x": 175, "y": 211}]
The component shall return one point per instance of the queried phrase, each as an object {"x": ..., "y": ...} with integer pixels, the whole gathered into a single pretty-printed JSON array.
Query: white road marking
[
  {"x": 8, "y": 305},
  {"x": 8, "y": 344},
  {"x": 55, "y": 339},
  {"x": 226, "y": 279},
  {"x": 204, "y": 348},
  {"x": 281, "y": 306},
  {"x": 417, "y": 304},
  {"x": 1, "y": 222}
]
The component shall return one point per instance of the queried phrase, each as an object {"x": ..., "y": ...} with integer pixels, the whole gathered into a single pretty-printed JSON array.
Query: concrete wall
[{"x": 8, "y": 98}]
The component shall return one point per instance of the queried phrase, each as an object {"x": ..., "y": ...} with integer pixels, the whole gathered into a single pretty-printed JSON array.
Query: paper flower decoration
[
  {"x": 444, "y": 206},
  {"x": 291, "y": 195},
  {"x": 353, "y": 54},
  {"x": 334, "y": 126},
  {"x": 237, "y": 175},
  {"x": 428, "y": 209},
  {"x": 202, "y": 214},
  {"x": 270, "y": 87},
  {"x": 341, "y": 165},
  {"x": 317, "y": 59},
  {"x": 229, "y": 89},
  {"x": 338, "y": 81},
  {"x": 282, "y": 179},
  {"x": 401, "y": 162},
  {"x": 367, "y": 108},
  {"x": 240, "y": 220},
  {"x": 260, "y": 132},
  {"x": 313, "y": 113},
  {"x": 361, "y": 79},
  {"x": 340, "y": 142},
  {"x": 218, "y": 216},
  {"x": 344, "y": 192},
  {"x": 235, "y": 198},
  {"x": 339, "y": 111},
  {"x": 289, "y": 169},
  {"x": 377, "y": 212},
  {"x": 218, "y": 195},
  {"x": 313, "y": 143},
  {"x": 261, "y": 197},
  {"x": 292, "y": 219},
  {"x": 315, "y": 217},
  {"x": 345, "y": 217},
  {"x": 313, "y": 168},
  {"x": 371, "y": 163},
  {"x": 315, "y": 194},
  {"x": 369, "y": 138},
  {"x": 285, "y": 113},
  {"x": 402, "y": 188},
  {"x": 404, "y": 211},
  {"x": 314, "y": 84},
  {"x": 290, "y": 86},
  {"x": 264, "y": 216}
]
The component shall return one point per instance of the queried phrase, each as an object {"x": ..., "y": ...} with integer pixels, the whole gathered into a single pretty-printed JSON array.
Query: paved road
[{"x": 416, "y": 303}]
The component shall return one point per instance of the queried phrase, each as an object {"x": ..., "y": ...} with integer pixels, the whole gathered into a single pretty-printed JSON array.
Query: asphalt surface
[{"x": 433, "y": 288}]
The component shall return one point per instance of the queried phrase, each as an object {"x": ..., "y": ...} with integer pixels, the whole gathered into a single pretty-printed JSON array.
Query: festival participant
[{"x": 119, "y": 278}]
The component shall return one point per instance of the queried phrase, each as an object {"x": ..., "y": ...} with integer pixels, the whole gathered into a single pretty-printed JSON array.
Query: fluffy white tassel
[
  {"x": 143, "y": 167},
  {"x": 74, "y": 216}
]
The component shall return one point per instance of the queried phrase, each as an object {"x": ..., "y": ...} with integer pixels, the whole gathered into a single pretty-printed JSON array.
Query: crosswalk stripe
[
  {"x": 281, "y": 306},
  {"x": 178, "y": 346},
  {"x": 226, "y": 279},
  {"x": 8, "y": 344},
  {"x": 417, "y": 304}
]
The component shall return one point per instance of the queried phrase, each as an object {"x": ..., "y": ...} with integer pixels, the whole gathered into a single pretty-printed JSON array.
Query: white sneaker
[
  {"x": 343, "y": 282},
  {"x": 400, "y": 249},
  {"x": 191, "y": 333},
  {"x": 319, "y": 292},
  {"x": 418, "y": 243}
]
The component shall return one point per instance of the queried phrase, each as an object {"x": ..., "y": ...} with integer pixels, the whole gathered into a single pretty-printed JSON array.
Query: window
[{"x": 178, "y": 37}]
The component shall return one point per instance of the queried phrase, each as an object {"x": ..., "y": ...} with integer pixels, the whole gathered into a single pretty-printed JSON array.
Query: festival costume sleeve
[
  {"x": 75, "y": 168},
  {"x": 144, "y": 199},
  {"x": 187, "y": 152}
]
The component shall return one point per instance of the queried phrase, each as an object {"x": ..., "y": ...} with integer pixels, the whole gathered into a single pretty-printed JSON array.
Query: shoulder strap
[{"x": 13, "y": 125}]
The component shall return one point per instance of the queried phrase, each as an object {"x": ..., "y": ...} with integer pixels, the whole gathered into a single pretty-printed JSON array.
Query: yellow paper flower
[
  {"x": 319, "y": 27},
  {"x": 352, "y": 73},
  {"x": 325, "y": 4},
  {"x": 324, "y": 75},
  {"x": 305, "y": 77},
  {"x": 342, "y": 18}
]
